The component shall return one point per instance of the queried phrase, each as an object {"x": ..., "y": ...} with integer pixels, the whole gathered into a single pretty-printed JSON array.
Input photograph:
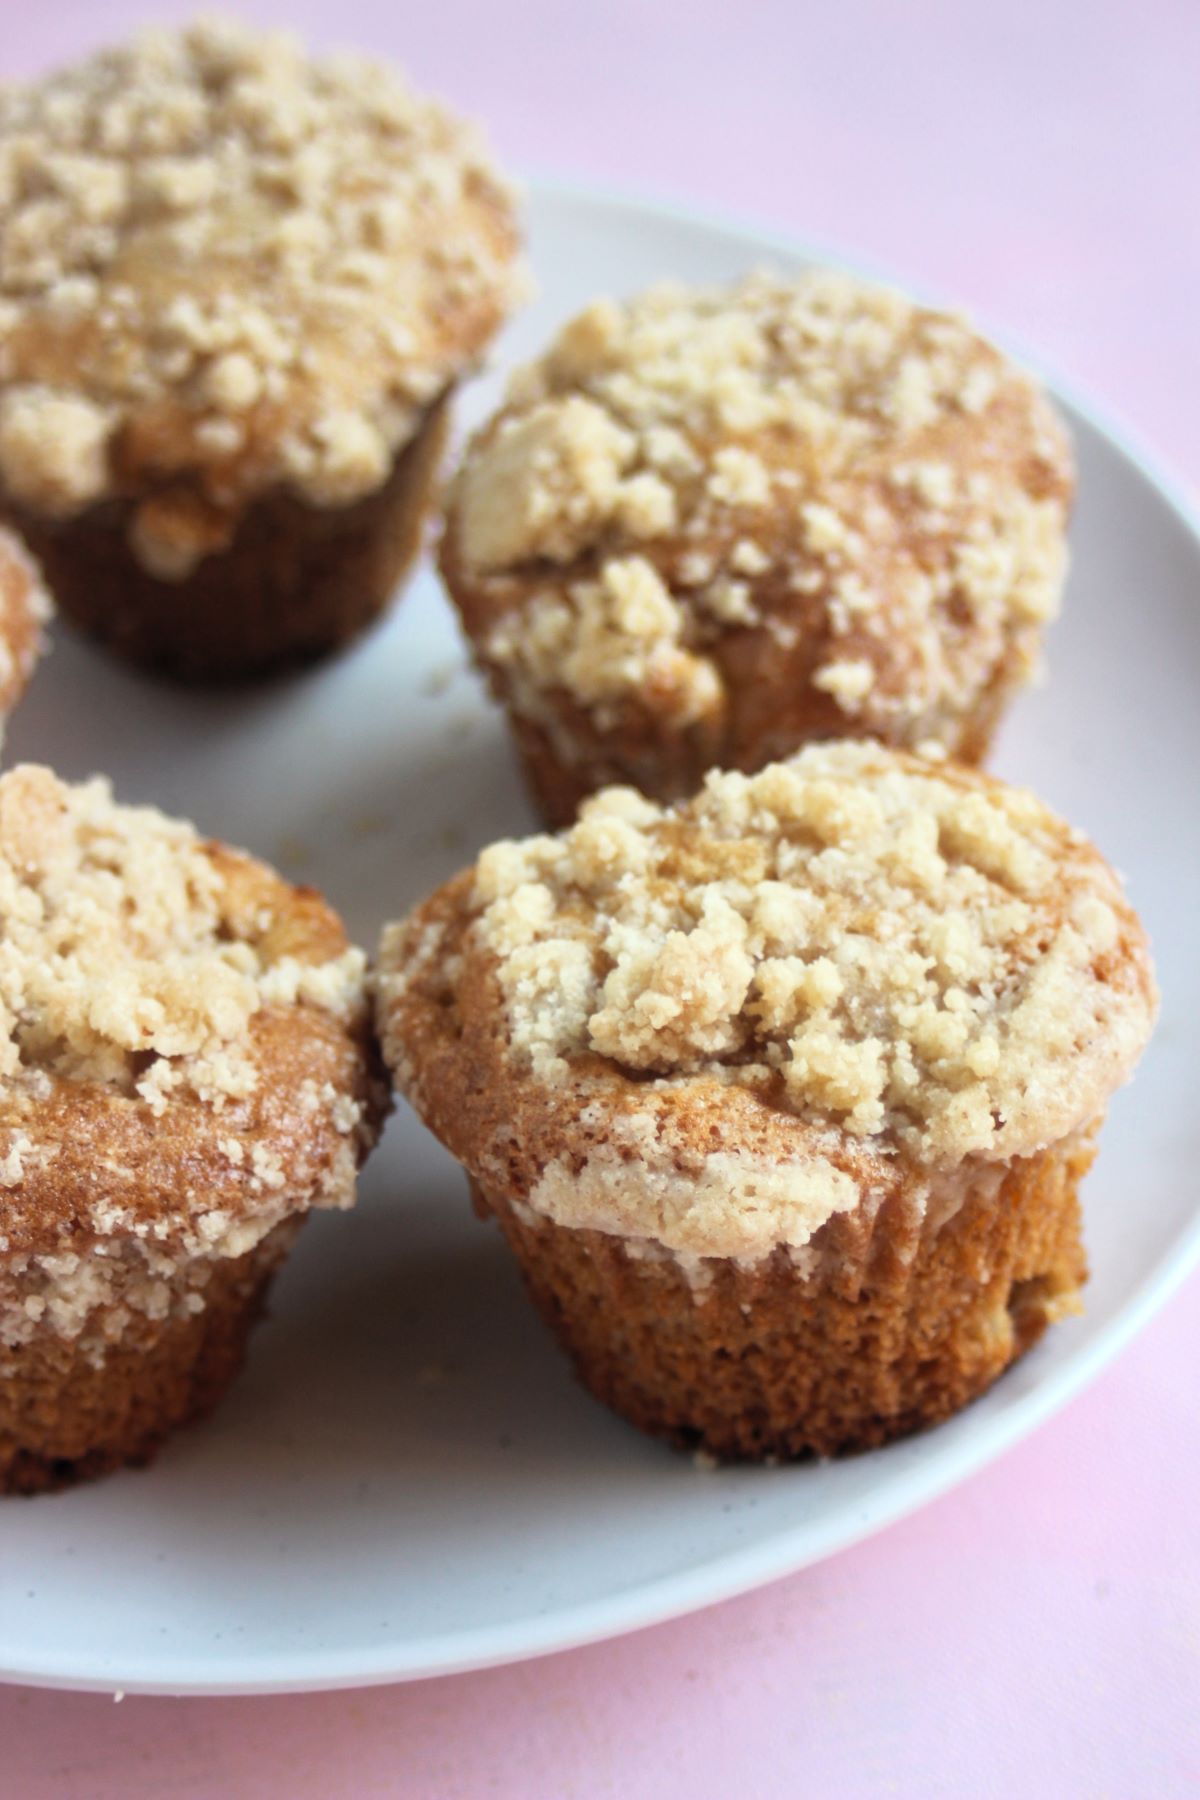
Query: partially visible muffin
[
  {"x": 186, "y": 1069},
  {"x": 24, "y": 612},
  {"x": 781, "y": 1097},
  {"x": 710, "y": 525},
  {"x": 237, "y": 287}
]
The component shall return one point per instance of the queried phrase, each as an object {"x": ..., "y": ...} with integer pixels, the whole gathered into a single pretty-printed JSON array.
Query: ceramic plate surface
[{"x": 406, "y": 1480}]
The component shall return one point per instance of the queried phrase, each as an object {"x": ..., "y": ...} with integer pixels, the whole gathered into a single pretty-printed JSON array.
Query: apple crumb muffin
[
  {"x": 186, "y": 1068},
  {"x": 708, "y": 526},
  {"x": 236, "y": 288},
  {"x": 782, "y": 1096},
  {"x": 25, "y": 610}
]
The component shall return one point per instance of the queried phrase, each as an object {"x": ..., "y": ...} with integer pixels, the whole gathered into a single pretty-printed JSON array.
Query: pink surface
[{"x": 1037, "y": 1632}]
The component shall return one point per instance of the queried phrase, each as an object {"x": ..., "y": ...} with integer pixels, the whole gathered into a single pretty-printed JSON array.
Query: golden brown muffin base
[
  {"x": 64, "y": 1419},
  {"x": 296, "y": 583},
  {"x": 759, "y": 1363}
]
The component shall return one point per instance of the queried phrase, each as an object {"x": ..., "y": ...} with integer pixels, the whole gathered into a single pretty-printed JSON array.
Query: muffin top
[
  {"x": 183, "y": 1041},
  {"x": 24, "y": 609},
  {"x": 818, "y": 462},
  {"x": 225, "y": 267},
  {"x": 718, "y": 1025}
]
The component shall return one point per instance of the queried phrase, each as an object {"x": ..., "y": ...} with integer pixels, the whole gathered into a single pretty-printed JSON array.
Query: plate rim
[{"x": 731, "y": 1573}]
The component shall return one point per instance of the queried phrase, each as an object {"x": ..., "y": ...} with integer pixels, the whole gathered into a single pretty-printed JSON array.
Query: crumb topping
[
  {"x": 126, "y": 959},
  {"x": 617, "y": 634},
  {"x": 224, "y": 266},
  {"x": 783, "y": 452},
  {"x": 920, "y": 959},
  {"x": 91, "y": 1295}
]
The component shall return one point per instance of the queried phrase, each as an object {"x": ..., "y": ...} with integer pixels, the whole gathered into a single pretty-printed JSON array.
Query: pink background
[{"x": 1038, "y": 1632}]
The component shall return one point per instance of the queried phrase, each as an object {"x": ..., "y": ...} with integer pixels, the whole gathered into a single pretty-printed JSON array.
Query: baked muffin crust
[
  {"x": 719, "y": 1026},
  {"x": 226, "y": 268},
  {"x": 184, "y": 1061},
  {"x": 787, "y": 509}
]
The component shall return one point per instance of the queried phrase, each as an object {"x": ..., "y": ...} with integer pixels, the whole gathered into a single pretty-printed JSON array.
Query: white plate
[{"x": 406, "y": 1479}]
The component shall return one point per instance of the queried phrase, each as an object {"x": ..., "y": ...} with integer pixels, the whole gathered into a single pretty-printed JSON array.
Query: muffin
[
  {"x": 24, "y": 610},
  {"x": 782, "y": 1097},
  {"x": 709, "y": 526},
  {"x": 187, "y": 1070},
  {"x": 236, "y": 290}
]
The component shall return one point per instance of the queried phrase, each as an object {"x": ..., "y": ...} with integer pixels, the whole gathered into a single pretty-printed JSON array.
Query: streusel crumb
[{"x": 917, "y": 958}]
